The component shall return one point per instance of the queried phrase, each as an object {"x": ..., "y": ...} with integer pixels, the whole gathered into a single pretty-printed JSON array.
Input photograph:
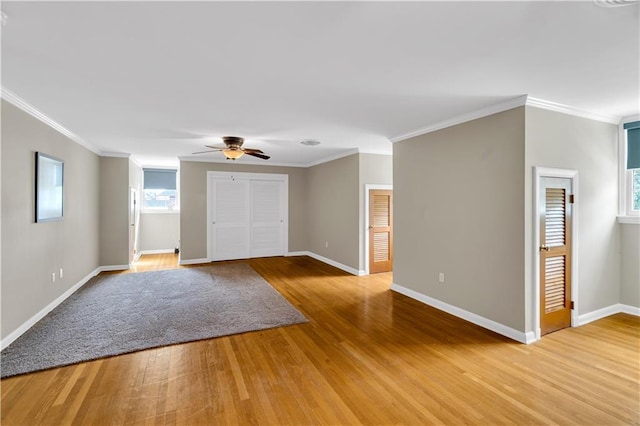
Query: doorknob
[
  {"x": 370, "y": 226},
  {"x": 545, "y": 248}
]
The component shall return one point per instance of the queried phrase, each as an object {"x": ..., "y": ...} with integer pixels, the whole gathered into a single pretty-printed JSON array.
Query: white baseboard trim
[
  {"x": 607, "y": 311},
  {"x": 161, "y": 251},
  {"x": 193, "y": 261},
  {"x": 136, "y": 257},
  {"x": 328, "y": 261},
  {"x": 522, "y": 337},
  {"x": 51, "y": 306},
  {"x": 113, "y": 268},
  {"x": 631, "y": 310}
]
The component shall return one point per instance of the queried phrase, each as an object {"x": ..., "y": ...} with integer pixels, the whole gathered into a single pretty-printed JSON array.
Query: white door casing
[{"x": 572, "y": 175}]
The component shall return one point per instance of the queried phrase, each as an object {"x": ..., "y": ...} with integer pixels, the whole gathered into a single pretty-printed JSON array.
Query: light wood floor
[{"x": 367, "y": 356}]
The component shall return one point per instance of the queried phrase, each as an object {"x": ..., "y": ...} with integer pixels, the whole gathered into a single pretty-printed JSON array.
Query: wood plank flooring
[{"x": 367, "y": 356}]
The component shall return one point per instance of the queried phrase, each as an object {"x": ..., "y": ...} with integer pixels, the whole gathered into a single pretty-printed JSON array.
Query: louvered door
[
  {"x": 380, "y": 230},
  {"x": 555, "y": 254}
]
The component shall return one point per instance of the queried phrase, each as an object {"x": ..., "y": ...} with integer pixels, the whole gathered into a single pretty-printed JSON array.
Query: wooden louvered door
[
  {"x": 380, "y": 231},
  {"x": 555, "y": 254}
]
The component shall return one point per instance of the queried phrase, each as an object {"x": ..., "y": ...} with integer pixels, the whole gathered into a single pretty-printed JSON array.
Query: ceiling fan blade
[
  {"x": 204, "y": 152},
  {"x": 216, "y": 147},
  {"x": 255, "y": 154},
  {"x": 248, "y": 150}
]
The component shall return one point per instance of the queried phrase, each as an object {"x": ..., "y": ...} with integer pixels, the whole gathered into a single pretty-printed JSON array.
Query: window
[
  {"x": 635, "y": 190},
  {"x": 160, "y": 189},
  {"x": 631, "y": 132}
]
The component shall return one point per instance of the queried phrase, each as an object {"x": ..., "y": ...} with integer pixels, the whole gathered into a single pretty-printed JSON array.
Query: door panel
[
  {"x": 266, "y": 215},
  {"x": 380, "y": 230},
  {"x": 555, "y": 254},
  {"x": 230, "y": 219}
]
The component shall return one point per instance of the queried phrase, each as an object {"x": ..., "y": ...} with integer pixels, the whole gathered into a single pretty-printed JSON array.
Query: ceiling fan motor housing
[{"x": 233, "y": 142}]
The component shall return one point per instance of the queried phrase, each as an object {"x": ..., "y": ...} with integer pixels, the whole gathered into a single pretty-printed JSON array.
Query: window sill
[
  {"x": 633, "y": 220},
  {"x": 160, "y": 211}
]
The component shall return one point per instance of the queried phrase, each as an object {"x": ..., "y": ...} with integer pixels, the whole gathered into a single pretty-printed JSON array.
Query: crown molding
[
  {"x": 630, "y": 119},
  {"x": 115, "y": 154},
  {"x": 135, "y": 161},
  {"x": 569, "y": 110},
  {"x": 474, "y": 115},
  {"x": 507, "y": 105},
  {"x": 20, "y": 103}
]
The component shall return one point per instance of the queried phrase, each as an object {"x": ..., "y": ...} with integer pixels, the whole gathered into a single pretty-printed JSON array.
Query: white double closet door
[{"x": 247, "y": 215}]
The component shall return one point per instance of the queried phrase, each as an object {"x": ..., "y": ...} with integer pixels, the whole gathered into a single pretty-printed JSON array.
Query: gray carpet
[{"x": 116, "y": 314}]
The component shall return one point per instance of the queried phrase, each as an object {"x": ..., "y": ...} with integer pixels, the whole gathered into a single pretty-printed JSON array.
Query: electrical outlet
[
  {"x": 441, "y": 277},
  {"x": 326, "y": 244},
  {"x": 53, "y": 277},
  {"x": 61, "y": 274}
]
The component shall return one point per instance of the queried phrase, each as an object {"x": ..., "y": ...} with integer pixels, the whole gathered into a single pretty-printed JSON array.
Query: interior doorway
[
  {"x": 379, "y": 229},
  {"x": 133, "y": 215},
  {"x": 555, "y": 232}
]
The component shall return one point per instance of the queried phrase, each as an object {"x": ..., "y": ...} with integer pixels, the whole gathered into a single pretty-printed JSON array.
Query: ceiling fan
[{"x": 233, "y": 149}]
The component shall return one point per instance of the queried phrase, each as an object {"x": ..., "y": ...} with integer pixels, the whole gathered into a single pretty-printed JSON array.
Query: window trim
[
  {"x": 148, "y": 210},
  {"x": 625, "y": 202}
]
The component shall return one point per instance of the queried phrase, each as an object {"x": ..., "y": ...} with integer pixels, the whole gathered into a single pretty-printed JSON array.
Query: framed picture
[{"x": 49, "y": 188}]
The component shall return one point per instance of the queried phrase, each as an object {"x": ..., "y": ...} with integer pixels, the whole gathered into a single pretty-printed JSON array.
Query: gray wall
[
  {"x": 630, "y": 265},
  {"x": 193, "y": 204},
  {"x": 159, "y": 231},
  {"x": 334, "y": 204},
  {"x": 590, "y": 147},
  {"x": 459, "y": 209},
  {"x": 114, "y": 211},
  {"x": 374, "y": 169},
  {"x": 31, "y": 251}
]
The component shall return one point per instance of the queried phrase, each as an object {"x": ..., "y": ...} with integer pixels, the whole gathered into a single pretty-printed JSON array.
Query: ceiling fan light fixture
[
  {"x": 232, "y": 154},
  {"x": 310, "y": 142}
]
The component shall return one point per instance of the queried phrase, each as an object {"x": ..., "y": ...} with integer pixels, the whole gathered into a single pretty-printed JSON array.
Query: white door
[
  {"x": 230, "y": 219},
  {"x": 247, "y": 215},
  {"x": 266, "y": 218}
]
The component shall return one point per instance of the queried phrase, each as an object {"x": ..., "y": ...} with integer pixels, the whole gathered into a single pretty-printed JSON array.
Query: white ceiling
[{"x": 160, "y": 79}]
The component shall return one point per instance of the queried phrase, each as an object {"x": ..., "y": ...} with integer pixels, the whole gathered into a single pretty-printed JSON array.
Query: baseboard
[
  {"x": 136, "y": 257},
  {"x": 522, "y": 337},
  {"x": 161, "y": 251},
  {"x": 631, "y": 310},
  {"x": 607, "y": 311},
  {"x": 328, "y": 261},
  {"x": 51, "y": 306},
  {"x": 113, "y": 268},
  {"x": 193, "y": 261}
]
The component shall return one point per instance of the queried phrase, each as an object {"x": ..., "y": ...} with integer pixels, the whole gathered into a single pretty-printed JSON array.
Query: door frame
[
  {"x": 133, "y": 242},
  {"x": 284, "y": 178},
  {"x": 367, "y": 187},
  {"x": 572, "y": 175}
]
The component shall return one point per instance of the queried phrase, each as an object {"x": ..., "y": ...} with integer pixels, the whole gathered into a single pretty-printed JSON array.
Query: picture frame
[{"x": 49, "y": 196}]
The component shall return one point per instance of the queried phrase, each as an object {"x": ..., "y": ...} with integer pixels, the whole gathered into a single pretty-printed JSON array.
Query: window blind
[
  {"x": 159, "y": 178},
  {"x": 633, "y": 144}
]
